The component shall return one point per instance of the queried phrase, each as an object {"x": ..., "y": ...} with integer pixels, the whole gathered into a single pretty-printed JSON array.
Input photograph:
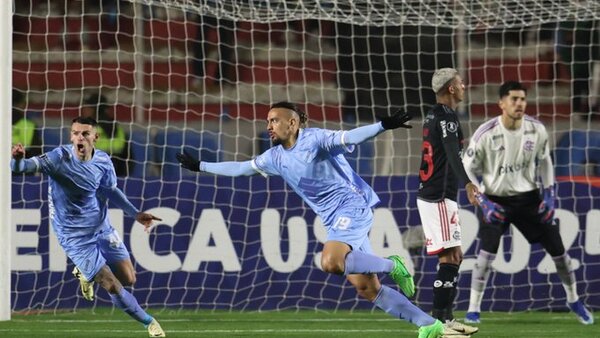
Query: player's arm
[
  {"x": 118, "y": 198},
  {"x": 453, "y": 155},
  {"x": 546, "y": 168},
  {"x": 19, "y": 164},
  {"x": 364, "y": 133},
  {"x": 546, "y": 172},
  {"x": 230, "y": 168},
  {"x": 471, "y": 161}
]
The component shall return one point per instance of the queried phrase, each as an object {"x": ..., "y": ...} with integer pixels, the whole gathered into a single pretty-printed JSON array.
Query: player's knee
[
  {"x": 129, "y": 280},
  {"x": 451, "y": 256},
  {"x": 366, "y": 291},
  {"x": 331, "y": 265}
]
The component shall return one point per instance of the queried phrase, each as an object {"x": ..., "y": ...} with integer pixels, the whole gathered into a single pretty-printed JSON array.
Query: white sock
[
  {"x": 479, "y": 278},
  {"x": 475, "y": 301}
]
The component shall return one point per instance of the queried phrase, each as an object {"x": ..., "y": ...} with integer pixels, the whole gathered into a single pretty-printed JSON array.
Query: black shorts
[{"x": 522, "y": 211}]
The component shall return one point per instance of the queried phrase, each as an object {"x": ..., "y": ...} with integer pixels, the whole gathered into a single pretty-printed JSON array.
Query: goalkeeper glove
[
  {"x": 187, "y": 161},
  {"x": 492, "y": 212},
  {"x": 546, "y": 208},
  {"x": 396, "y": 120}
]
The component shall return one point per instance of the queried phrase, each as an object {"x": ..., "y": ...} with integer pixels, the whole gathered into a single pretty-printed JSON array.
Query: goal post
[
  {"x": 5, "y": 142},
  {"x": 200, "y": 76}
]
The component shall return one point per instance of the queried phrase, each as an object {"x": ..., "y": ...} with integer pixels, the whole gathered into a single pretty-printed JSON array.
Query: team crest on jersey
[
  {"x": 528, "y": 145},
  {"x": 452, "y": 127},
  {"x": 456, "y": 235}
]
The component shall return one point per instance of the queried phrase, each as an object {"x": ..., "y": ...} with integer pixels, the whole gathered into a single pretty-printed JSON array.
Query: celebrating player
[
  {"x": 311, "y": 161},
  {"x": 440, "y": 173},
  {"x": 507, "y": 152},
  {"x": 81, "y": 178}
]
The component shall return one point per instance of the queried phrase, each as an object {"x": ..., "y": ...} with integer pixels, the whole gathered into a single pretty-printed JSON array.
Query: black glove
[
  {"x": 397, "y": 120},
  {"x": 188, "y": 161}
]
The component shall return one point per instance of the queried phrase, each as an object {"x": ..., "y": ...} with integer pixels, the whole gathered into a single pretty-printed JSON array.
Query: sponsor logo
[
  {"x": 528, "y": 145},
  {"x": 470, "y": 152},
  {"x": 511, "y": 168},
  {"x": 443, "y": 125}
]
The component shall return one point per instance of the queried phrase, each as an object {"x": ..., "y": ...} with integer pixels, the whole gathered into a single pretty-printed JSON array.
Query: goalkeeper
[
  {"x": 312, "y": 162},
  {"x": 506, "y": 152},
  {"x": 81, "y": 178}
]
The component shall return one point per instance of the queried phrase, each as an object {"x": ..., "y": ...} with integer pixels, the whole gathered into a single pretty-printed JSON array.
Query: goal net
[{"x": 164, "y": 76}]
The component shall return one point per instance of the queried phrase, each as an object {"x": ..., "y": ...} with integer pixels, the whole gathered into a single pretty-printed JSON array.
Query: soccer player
[
  {"x": 312, "y": 162},
  {"x": 439, "y": 176},
  {"x": 510, "y": 152},
  {"x": 81, "y": 178}
]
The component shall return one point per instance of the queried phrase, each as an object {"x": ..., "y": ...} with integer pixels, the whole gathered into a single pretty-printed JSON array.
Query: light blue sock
[
  {"x": 360, "y": 262},
  {"x": 397, "y": 305},
  {"x": 126, "y": 302}
]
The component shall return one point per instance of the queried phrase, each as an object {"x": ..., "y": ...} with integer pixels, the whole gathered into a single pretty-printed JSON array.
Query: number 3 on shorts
[{"x": 342, "y": 223}]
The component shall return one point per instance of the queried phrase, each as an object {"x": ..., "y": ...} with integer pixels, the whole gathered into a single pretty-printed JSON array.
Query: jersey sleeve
[
  {"x": 544, "y": 150},
  {"x": 109, "y": 180},
  {"x": 264, "y": 164},
  {"x": 473, "y": 157},
  {"x": 449, "y": 131},
  {"x": 448, "y": 126},
  {"x": 333, "y": 141},
  {"x": 50, "y": 161}
]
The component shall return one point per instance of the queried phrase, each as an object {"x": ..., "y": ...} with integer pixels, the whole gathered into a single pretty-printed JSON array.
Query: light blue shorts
[
  {"x": 91, "y": 251},
  {"x": 352, "y": 226}
]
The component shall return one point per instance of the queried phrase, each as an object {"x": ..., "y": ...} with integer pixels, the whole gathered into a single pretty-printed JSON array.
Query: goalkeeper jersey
[
  {"x": 507, "y": 160},
  {"x": 316, "y": 169}
]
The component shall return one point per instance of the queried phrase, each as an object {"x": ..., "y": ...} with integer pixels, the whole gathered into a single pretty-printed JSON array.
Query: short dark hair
[
  {"x": 288, "y": 105},
  {"x": 85, "y": 120},
  {"x": 507, "y": 86}
]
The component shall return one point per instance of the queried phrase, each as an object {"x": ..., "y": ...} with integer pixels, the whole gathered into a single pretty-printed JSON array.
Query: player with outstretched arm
[
  {"x": 510, "y": 152},
  {"x": 81, "y": 179},
  {"x": 312, "y": 162}
]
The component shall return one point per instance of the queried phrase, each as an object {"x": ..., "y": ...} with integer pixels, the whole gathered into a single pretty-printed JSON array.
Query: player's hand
[
  {"x": 396, "y": 120},
  {"x": 146, "y": 219},
  {"x": 546, "y": 208},
  {"x": 472, "y": 192},
  {"x": 188, "y": 161},
  {"x": 18, "y": 151},
  {"x": 492, "y": 212}
]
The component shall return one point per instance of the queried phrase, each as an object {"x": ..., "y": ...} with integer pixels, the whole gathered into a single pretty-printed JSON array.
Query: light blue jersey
[
  {"x": 73, "y": 187},
  {"x": 316, "y": 169},
  {"x": 78, "y": 207}
]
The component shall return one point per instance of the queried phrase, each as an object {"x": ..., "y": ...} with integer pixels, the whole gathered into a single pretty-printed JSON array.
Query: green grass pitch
[{"x": 106, "y": 322}]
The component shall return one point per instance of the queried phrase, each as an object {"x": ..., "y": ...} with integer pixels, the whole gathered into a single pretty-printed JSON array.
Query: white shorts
[{"x": 440, "y": 225}]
